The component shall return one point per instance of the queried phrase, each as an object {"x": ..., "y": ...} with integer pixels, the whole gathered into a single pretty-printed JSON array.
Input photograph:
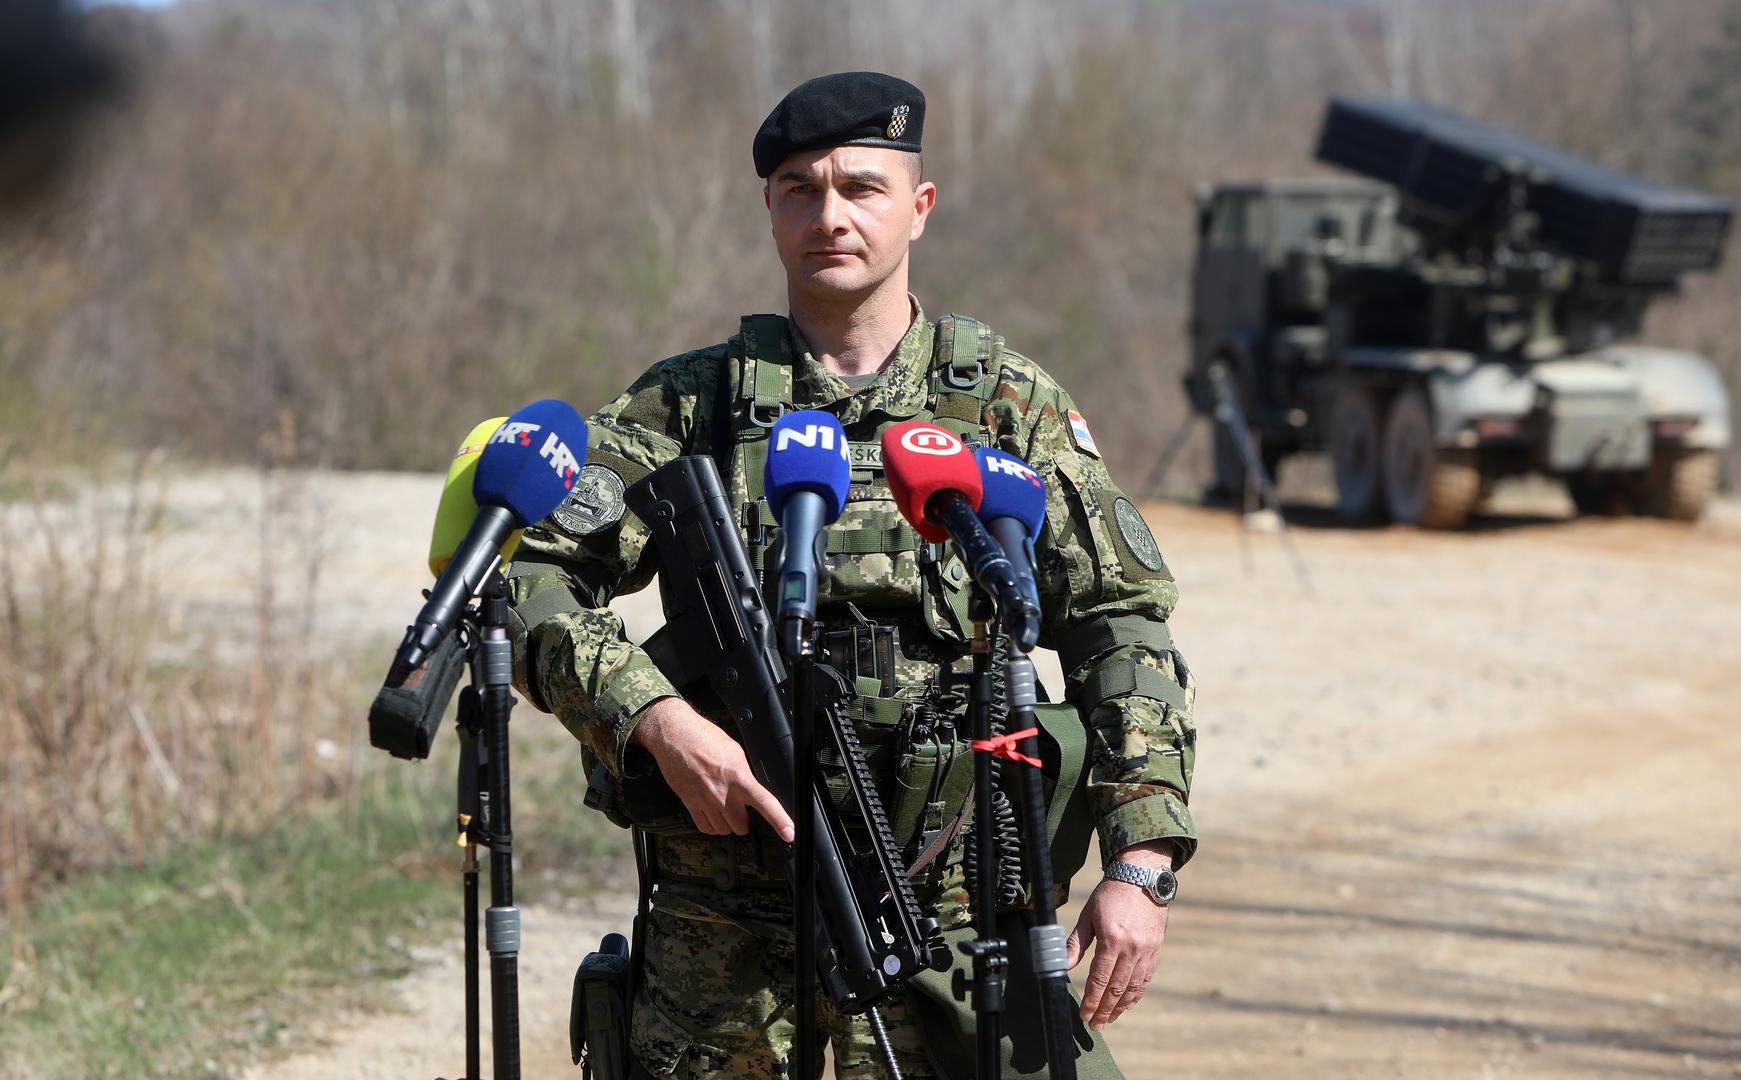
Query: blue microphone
[
  {"x": 1013, "y": 509},
  {"x": 805, "y": 480},
  {"x": 525, "y": 471}
]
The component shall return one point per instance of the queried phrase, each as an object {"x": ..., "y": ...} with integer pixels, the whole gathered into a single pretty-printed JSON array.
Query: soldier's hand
[
  {"x": 707, "y": 769},
  {"x": 1129, "y": 928}
]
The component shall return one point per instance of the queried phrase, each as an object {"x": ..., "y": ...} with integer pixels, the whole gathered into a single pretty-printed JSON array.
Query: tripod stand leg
[
  {"x": 1152, "y": 487},
  {"x": 473, "y": 1044},
  {"x": 1230, "y": 416},
  {"x": 469, "y": 819}
]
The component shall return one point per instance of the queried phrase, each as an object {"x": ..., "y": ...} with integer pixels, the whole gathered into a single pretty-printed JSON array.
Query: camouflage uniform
[{"x": 716, "y": 999}]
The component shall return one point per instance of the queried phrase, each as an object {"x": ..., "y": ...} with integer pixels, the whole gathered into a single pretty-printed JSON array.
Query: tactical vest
[
  {"x": 755, "y": 389},
  {"x": 892, "y": 570},
  {"x": 900, "y": 600}
]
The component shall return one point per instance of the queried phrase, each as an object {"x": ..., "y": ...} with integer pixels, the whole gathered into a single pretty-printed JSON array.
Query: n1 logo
[
  {"x": 515, "y": 431},
  {"x": 561, "y": 458},
  {"x": 818, "y": 436},
  {"x": 933, "y": 441}
]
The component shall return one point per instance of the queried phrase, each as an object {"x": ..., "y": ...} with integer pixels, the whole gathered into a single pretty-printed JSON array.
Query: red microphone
[
  {"x": 937, "y": 487},
  {"x": 923, "y": 460}
]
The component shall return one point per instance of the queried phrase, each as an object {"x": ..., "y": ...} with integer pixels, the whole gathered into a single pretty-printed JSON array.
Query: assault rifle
[{"x": 718, "y": 648}]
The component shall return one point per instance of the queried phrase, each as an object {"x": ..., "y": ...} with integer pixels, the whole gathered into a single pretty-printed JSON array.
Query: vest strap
[
  {"x": 765, "y": 384},
  {"x": 1129, "y": 679},
  {"x": 1106, "y": 632}
]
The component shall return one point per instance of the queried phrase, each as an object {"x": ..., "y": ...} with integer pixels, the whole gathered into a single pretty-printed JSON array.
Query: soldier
[{"x": 846, "y": 198}]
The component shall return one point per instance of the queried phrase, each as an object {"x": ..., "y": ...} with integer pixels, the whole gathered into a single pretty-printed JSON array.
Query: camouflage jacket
[{"x": 1106, "y": 593}]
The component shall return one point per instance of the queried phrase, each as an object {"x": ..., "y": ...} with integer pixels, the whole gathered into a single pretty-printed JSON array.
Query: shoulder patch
[
  {"x": 1079, "y": 432},
  {"x": 595, "y": 502},
  {"x": 1137, "y": 537}
]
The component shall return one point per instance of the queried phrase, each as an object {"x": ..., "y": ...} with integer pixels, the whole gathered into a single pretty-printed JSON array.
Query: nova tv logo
[{"x": 933, "y": 441}]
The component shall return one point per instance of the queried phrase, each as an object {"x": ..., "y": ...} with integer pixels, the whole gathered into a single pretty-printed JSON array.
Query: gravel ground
[{"x": 1468, "y": 803}]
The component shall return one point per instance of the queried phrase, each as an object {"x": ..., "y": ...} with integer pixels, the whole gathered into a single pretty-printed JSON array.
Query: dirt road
[{"x": 1469, "y": 809}]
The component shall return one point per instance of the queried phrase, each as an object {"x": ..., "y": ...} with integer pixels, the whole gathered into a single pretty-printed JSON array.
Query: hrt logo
[
  {"x": 515, "y": 431},
  {"x": 934, "y": 442},
  {"x": 816, "y": 436},
  {"x": 561, "y": 459},
  {"x": 1011, "y": 467}
]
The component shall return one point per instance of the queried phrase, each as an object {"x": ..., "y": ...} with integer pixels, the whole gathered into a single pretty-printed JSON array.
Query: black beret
[{"x": 848, "y": 108}]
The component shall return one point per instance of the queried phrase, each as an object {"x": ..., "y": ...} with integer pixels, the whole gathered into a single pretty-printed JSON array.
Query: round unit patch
[
  {"x": 1136, "y": 534},
  {"x": 595, "y": 502}
]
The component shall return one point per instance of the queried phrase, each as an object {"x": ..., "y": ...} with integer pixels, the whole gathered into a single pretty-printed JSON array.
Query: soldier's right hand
[{"x": 707, "y": 769}]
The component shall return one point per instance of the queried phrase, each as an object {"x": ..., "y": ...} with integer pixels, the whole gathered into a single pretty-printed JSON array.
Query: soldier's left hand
[{"x": 1129, "y": 928}]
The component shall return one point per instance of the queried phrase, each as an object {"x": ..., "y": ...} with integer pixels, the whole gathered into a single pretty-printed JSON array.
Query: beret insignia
[{"x": 898, "y": 121}]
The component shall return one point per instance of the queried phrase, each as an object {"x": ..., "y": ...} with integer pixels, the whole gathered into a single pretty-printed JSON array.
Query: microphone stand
[
  {"x": 800, "y": 650},
  {"x": 1047, "y": 942},
  {"x": 989, "y": 952},
  {"x": 485, "y": 819},
  {"x": 472, "y": 824}
]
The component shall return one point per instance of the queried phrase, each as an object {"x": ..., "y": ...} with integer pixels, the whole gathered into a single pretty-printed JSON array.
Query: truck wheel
[
  {"x": 1425, "y": 484},
  {"x": 1600, "y": 494},
  {"x": 1679, "y": 484},
  {"x": 1354, "y": 423}
]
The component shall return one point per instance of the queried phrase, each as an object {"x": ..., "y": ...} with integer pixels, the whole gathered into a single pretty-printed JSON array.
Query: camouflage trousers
[{"x": 715, "y": 999}]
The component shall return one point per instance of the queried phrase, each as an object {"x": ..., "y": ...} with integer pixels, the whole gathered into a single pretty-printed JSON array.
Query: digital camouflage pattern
[
  {"x": 717, "y": 1002},
  {"x": 1106, "y": 593}
]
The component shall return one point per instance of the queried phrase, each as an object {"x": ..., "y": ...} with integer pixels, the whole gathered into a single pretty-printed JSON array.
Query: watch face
[{"x": 1163, "y": 886}]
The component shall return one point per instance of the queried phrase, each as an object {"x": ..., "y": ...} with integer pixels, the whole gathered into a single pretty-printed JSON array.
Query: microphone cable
[{"x": 1005, "y": 834}]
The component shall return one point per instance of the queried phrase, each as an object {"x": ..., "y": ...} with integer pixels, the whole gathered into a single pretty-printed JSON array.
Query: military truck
[{"x": 1466, "y": 311}]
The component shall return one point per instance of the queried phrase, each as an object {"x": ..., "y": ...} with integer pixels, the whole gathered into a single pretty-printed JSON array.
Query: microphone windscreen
[
  {"x": 454, "y": 514},
  {"x": 922, "y": 459},
  {"x": 1012, "y": 489},
  {"x": 807, "y": 452},
  {"x": 532, "y": 461}
]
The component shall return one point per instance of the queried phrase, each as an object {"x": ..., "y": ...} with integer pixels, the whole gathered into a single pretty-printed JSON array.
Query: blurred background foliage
[{"x": 390, "y": 218}]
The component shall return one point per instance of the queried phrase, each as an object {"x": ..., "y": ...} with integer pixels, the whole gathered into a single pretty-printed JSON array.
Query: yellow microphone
[{"x": 457, "y": 509}]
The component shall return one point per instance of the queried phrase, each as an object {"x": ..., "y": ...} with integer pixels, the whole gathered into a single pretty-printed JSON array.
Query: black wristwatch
[{"x": 1159, "y": 882}]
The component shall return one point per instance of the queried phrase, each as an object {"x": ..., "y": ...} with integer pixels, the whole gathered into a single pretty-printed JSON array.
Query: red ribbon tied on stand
[{"x": 1004, "y": 746}]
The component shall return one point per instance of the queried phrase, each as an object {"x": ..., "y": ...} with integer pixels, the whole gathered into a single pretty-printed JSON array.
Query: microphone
[
  {"x": 454, "y": 514},
  {"x": 524, "y": 472},
  {"x": 805, "y": 480},
  {"x": 1013, "y": 509},
  {"x": 937, "y": 488},
  {"x": 404, "y": 719}
]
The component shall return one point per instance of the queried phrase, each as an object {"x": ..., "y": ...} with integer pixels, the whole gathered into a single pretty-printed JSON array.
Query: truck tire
[
  {"x": 1425, "y": 484},
  {"x": 1354, "y": 453},
  {"x": 1679, "y": 484}
]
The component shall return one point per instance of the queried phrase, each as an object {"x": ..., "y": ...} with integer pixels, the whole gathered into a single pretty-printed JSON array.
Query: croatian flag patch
[{"x": 1079, "y": 432}]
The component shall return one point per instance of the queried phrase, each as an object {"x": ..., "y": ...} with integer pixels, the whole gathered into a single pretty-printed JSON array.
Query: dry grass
[{"x": 126, "y": 733}]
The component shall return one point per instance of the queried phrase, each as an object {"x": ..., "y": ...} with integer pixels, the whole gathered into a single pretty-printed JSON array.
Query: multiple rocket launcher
[{"x": 1626, "y": 230}]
